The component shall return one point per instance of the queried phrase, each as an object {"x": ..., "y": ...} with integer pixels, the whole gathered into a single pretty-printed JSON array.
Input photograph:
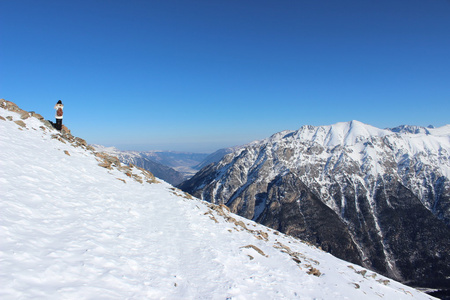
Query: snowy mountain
[
  {"x": 77, "y": 224},
  {"x": 377, "y": 197},
  {"x": 173, "y": 167}
]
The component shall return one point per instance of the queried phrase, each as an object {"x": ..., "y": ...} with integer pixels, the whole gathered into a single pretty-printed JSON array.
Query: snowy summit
[{"x": 76, "y": 224}]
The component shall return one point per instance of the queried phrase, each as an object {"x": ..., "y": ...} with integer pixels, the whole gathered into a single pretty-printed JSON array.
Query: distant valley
[{"x": 170, "y": 166}]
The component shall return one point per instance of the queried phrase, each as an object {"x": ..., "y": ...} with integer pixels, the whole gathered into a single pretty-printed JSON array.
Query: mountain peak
[
  {"x": 346, "y": 187},
  {"x": 342, "y": 133}
]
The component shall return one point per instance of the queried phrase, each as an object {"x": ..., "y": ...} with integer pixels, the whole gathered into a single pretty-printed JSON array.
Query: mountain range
[{"x": 377, "y": 197}]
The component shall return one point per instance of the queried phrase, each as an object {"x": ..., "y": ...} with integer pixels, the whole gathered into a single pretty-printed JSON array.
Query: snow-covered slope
[{"x": 71, "y": 229}]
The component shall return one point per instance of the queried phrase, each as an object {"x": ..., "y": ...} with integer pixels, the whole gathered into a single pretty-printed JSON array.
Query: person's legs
[{"x": 59, "y": 124}]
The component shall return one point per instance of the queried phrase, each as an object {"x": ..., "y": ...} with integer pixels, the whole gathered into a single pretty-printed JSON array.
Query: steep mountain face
[
  {"x": 215, "y": 157},
  {"x": 379, "y": 198},
  {"x": 77, "y": 224}
]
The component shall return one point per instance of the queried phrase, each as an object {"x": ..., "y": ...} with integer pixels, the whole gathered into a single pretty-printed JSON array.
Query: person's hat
[{"x": 59, "y": 102}]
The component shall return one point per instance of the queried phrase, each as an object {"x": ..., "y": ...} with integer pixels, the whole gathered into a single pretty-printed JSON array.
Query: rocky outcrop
[
  {"x": 11, "y": 106},
  {"x": 292, "y": 209},
  {"x": 64, "y": 136},
  {"x": 379, "y": 198}
]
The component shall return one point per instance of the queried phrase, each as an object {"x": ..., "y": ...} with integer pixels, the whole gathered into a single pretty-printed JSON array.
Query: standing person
[{"x": 59, "y": 115}]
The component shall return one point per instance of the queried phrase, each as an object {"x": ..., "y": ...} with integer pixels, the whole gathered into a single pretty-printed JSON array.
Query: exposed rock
[
  {"x": 315, "y": 272},
  {"x": 20, "y": 123},
  {"x": 107, "y": 161},
  {"x": 259, "y": 251},
  {"x": 24, "y": 115},
  {"x": 11, "y": 106},
  {"x": 47, "y": 123},
  {"x": 65, "y": 130},
  {"x": 80, "y": 142},
  {"x": 37, "y": 116},
  {"x": 8, "y": 105},
  {"x": 59, "y": 138}
]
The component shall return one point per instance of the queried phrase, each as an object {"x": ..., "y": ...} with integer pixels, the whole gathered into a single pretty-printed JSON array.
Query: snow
[{"x": 70, "y": 229}]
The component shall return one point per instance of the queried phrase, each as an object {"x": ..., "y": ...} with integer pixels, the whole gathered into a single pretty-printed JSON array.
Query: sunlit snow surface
[{"x": 70, "y": 229}]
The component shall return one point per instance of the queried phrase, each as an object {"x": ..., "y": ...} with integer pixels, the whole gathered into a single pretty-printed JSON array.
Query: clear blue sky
[{"x": 202, "y": 75}]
